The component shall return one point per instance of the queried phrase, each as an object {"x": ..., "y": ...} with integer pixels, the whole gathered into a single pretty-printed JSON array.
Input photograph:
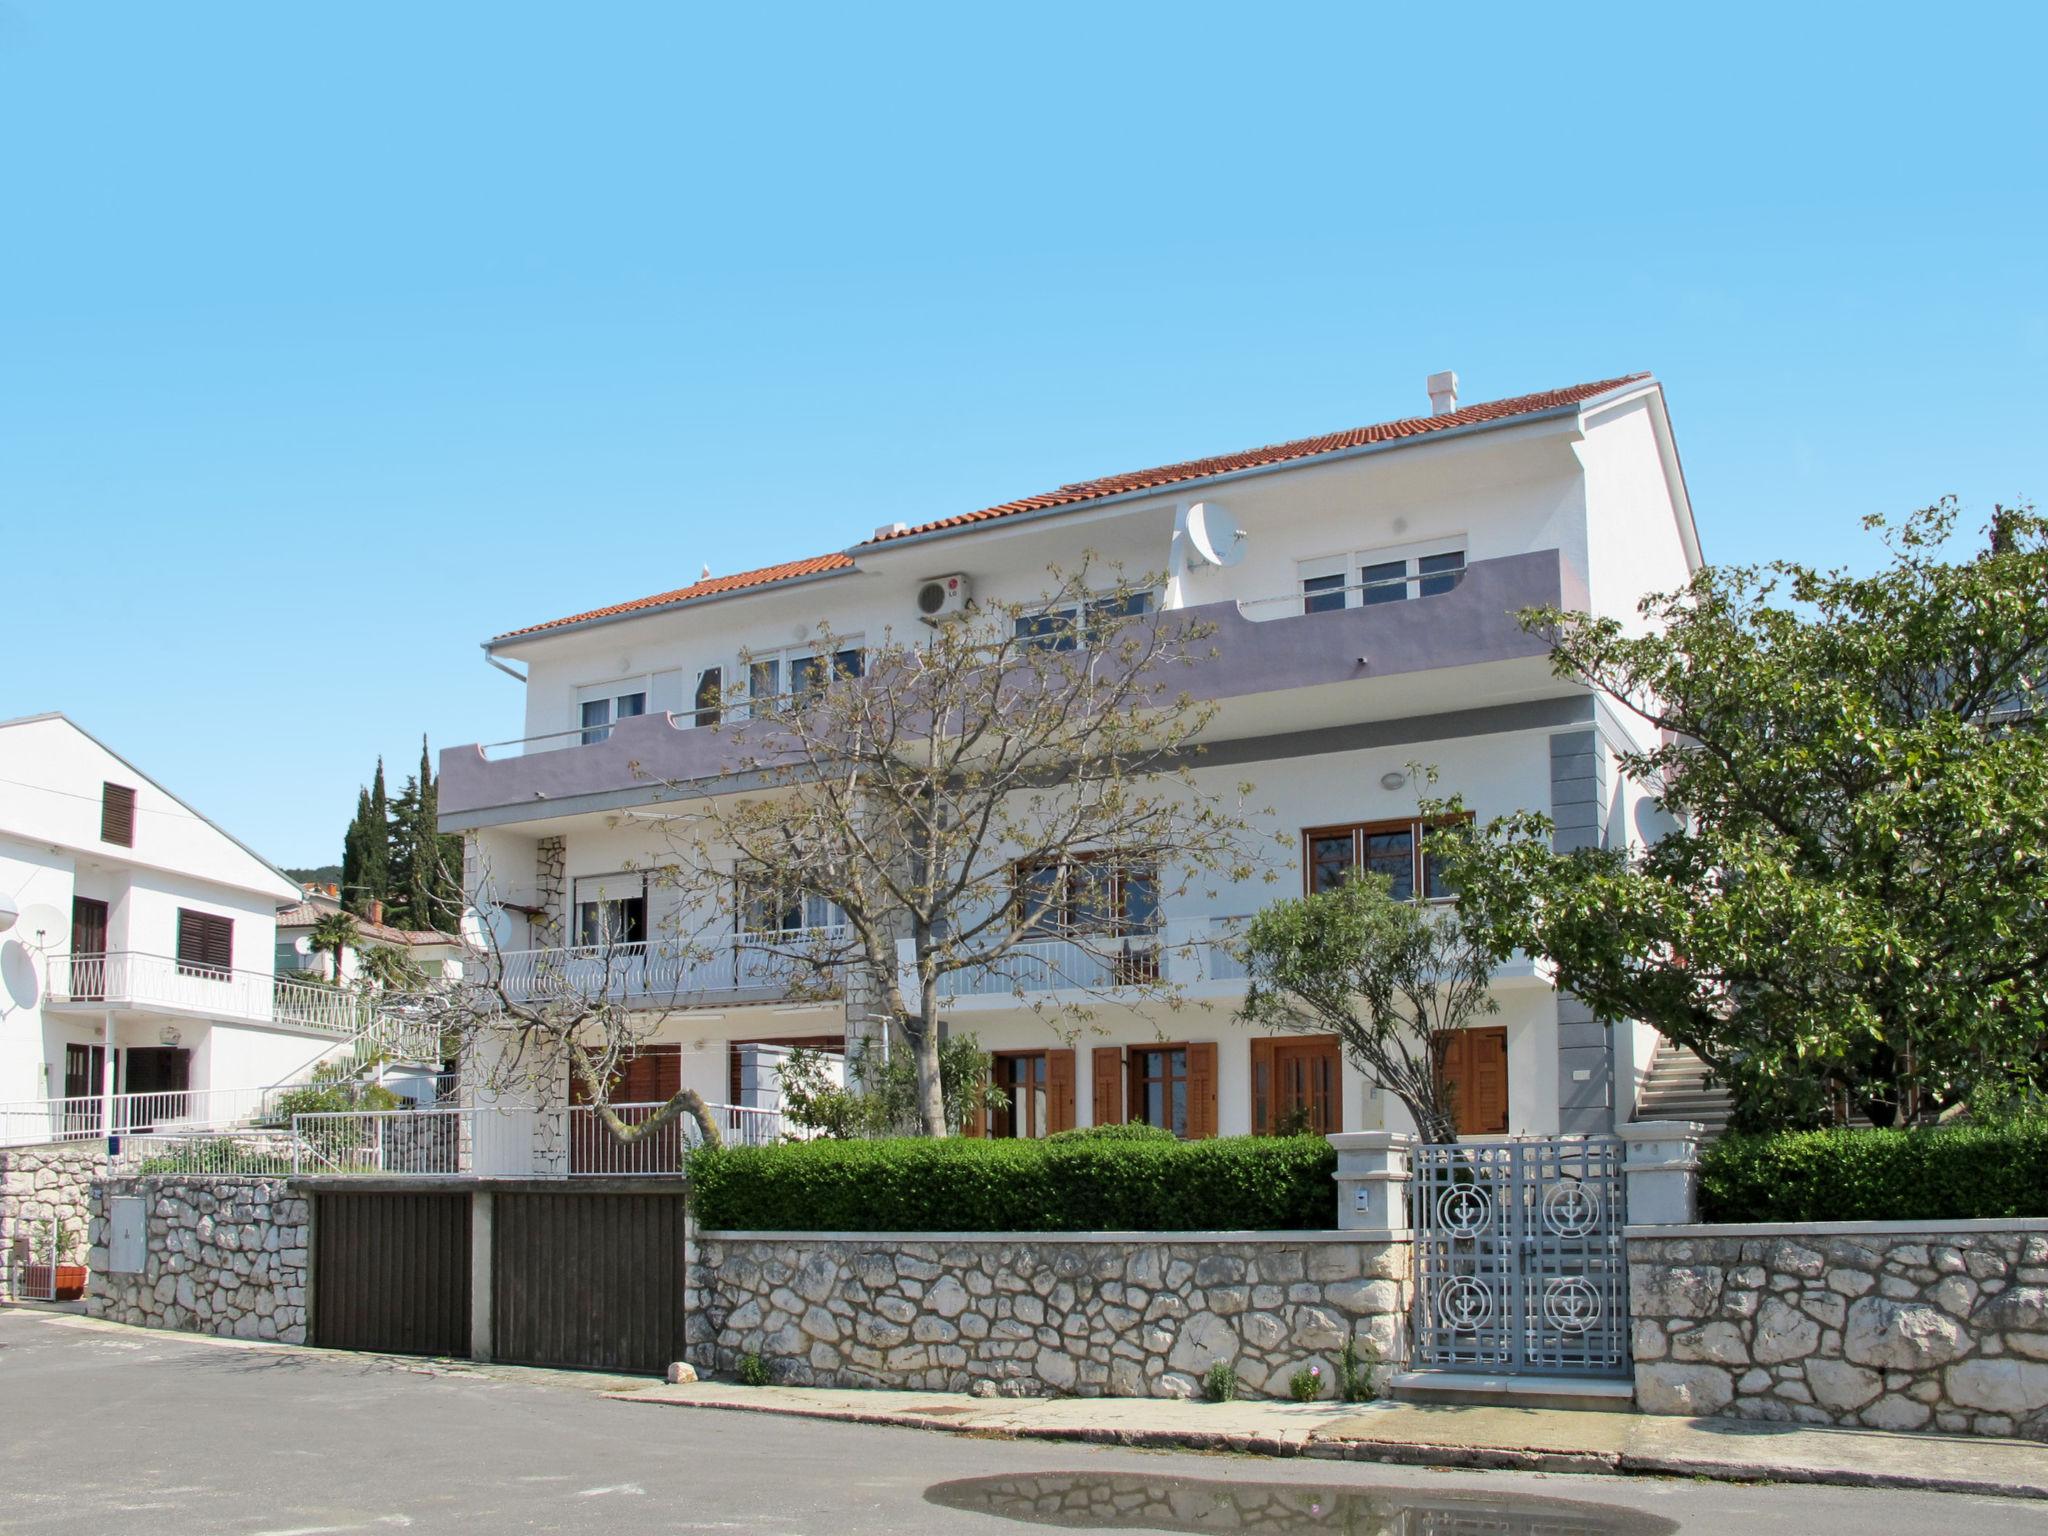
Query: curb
[{"x": 1481, "y": 1458}]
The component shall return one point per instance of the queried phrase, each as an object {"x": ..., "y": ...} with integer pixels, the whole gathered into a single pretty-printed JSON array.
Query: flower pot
[{"x": 69, "y": 1281}]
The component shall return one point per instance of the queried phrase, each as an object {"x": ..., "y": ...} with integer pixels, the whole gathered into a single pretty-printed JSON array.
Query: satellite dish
[
  {"x": 41, "y": 923},
  {"x": 303, "y": 944},
  {"x": 1213, "y": 535}
]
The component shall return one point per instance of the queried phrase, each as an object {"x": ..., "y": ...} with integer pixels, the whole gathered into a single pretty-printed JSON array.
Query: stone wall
[
  {"x": 1894, "y": 1325},
  {"x": 1123, "y": 1315},
  {"x": 51, "y": 1182},
  {"x": 223, "y": 1254}
]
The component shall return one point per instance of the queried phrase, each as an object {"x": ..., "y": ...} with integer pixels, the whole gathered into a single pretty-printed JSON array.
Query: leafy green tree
[
  {"x": 879, "y": 1096},
  {"x": 335, "y": 934},
  {"x": 1849, "y": 904},
  {"x": 425, "y": 865},
  {"x": 366, "y": 849},
  {"x": 1393, "y": 980},
  {"x": 392, "y": 968}
]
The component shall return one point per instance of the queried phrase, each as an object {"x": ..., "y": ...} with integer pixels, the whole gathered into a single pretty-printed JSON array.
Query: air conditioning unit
[{"x": 944, "y": 597}]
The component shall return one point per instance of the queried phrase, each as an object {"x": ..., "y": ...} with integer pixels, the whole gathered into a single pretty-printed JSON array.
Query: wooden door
[
  {"x": 1297, "y": 1085},
  {"x": 88, "y": 950},
  {"x": 1475, "y": 1064},
  {"x": 651, "y": 1075},
  {"x": 588, "y": 1279},
  {"x": 391, "y": 1272}
]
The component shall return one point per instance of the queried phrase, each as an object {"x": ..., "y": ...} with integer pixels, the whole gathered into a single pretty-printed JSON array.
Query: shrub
[
  {"x": 1219, "y": 1382},
  {"x": 1948, "y": 1173},
  {"x": 1355, "y": 1371},
  {"x": 753, "y": 1371},
  {"x": 1135, "y": 1130},
  {"x": 1305, "y": 1386},
  {"x": 968, "y": 1185}
]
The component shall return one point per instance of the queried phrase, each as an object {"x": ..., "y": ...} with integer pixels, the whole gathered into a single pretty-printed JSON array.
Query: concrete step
[{"x": 1587, "y": 1394}]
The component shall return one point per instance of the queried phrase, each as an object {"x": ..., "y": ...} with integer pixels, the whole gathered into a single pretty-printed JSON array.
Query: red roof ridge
[{"x": 1488, "y": 412}]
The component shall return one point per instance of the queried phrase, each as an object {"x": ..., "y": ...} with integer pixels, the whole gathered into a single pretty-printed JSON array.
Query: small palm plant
[{"x": 335, "y": 934}]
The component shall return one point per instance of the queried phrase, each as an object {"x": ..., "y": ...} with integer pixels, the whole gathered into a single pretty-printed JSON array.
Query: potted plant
[{"x": 62, "y": 1280}]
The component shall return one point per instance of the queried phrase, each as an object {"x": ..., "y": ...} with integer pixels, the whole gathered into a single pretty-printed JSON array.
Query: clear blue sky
[{"x": 336, "y": 338}]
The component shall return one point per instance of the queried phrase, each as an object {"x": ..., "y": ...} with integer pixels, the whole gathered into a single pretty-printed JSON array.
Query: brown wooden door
[
  {"x": 88, "y": 950},
  {"x": 1475, "y": 1063},
  {"x": 1297, "y": 1085},
  {"x": 391, "y": 1272},
  {"x": 588, "y": 1280}
]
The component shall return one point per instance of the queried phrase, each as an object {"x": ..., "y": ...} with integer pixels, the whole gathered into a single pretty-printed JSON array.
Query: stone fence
[
  {"x": 207, "y": 1253},
  {"x": 1894, "y": 1325},
  {"x": 1123, "y": 1314},
  {"x": 49, "y": 1183}
]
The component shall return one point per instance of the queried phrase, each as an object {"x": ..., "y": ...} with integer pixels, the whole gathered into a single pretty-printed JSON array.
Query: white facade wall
[{"x": 51, "y": 779}]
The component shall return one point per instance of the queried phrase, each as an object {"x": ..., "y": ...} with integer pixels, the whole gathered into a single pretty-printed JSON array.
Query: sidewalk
[{"x": 1524, "y": 1439}]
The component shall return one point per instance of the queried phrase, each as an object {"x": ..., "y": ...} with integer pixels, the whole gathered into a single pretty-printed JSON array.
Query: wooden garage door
[
  {"x": 391, "y": 1272},
  {"x": 586, "y": 1279}
]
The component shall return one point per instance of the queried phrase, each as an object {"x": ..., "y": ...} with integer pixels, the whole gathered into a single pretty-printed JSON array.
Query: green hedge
[
  {"x": 1945, "y": 1174},
  {"x": 962, "y": 1185}
]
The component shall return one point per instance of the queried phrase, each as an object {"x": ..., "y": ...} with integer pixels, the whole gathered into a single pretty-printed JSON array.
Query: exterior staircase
[{"x": 1677, "y": 1089}]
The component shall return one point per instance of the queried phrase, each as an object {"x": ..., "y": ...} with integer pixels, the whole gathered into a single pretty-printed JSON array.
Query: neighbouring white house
[
  {"x": 438, "y": 955},
  {"x": 1366, "y": 623},
  {"x": 138, "y": 940}
]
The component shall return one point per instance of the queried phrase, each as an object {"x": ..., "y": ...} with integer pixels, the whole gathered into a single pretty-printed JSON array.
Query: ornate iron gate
[{"x": 1519, "y": 1263}]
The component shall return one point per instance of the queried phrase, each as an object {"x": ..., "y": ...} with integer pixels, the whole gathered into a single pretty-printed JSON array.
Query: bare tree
[
  {"x": 523, "y": 1023},
  {"x": 1009, "y": 792}
]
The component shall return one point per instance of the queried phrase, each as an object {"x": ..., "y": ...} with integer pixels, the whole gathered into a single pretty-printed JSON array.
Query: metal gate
[
  {"x": 590, "y": 1279},
  {"x": 1519, "y": 1262},
  {"x": 391, "y": 1272}
]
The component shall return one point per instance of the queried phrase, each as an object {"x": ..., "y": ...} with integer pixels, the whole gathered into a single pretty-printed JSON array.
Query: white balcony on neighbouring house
[{"x": 130, "y": 980}]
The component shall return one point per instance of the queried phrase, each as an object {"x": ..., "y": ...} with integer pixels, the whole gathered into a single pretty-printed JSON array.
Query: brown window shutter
[
  {"x": 1201, "y": 1090},
  {"x": 1262, "y": 1087},
  {"x": 1109, "y": 1085},
  {"x": 1452, "y": 1068},
  {"x": 206, "y": 943},
  {"x": 1489, "y": 1068},
  {"x": 1059, "y": 1091},
  {"x": 117, "y": 814}
]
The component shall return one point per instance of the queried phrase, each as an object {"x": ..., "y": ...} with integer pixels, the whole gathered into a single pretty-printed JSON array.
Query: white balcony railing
[
  {"x": 130, "y": 979},
  {"x": 383, "y": 1141},
  {"x": 86, "y": 1118},
  {"x": 594, "y": 1152},
  {"x": 660, "y": 973},
  {"x": 1186, "y": 952}
]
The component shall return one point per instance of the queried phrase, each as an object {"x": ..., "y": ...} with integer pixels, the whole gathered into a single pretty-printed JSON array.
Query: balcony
[
  {"x": 129, "y": 980},
  {"x": 746, "y": 967},
  {"x": 1195, "y": 955},
  {"x": 1264, "y": 646}
]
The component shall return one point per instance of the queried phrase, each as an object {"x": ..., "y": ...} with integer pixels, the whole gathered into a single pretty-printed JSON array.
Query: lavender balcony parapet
[{"x": 650, "y": 757}]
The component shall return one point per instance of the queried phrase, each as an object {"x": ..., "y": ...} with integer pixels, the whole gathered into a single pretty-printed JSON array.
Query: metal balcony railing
[
  {"x": 659, "y": 973},
  {"x": 1185, "y": 952},
  {"x": 132, "y": 979}
]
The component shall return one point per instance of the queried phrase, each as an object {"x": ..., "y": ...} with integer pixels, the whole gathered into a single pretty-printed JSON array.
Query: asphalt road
[{"x": 121, "y": 1430}]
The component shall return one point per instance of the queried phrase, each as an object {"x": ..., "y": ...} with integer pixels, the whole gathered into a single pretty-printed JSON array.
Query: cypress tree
[{"x": 366, "y": 850}]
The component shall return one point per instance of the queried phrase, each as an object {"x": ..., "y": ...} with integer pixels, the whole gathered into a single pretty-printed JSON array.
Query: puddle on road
[{"x": 1097, "y": 1501}]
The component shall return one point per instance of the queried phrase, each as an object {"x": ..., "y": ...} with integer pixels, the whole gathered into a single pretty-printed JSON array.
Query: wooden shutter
[
  {"x": 1201, "y": 1090},
  {"x": 117, "y": 814},
  {"x": 206, "y": 943},
  {"x": 1109, "y": 1085},
  {"x": 1059, "y": 1091},
  {"x": 1489, "y": 1078},
  {"x": 1262, "y": 1086}
]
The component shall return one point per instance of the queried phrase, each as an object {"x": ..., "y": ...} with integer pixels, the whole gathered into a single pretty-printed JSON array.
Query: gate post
[
  {"x": 480, "y": 1218},
  {"x": 1372, "y": 1182},
  {"x": 1662, "y": 1161}
]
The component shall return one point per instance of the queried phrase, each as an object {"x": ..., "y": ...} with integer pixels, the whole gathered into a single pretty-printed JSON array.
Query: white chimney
[
  {"x": 890, "y": 530},
  {"x": 1443, "y": 393}
]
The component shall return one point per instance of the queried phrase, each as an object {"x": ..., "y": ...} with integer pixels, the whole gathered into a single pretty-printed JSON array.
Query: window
[
  {"x": 767, "y": 904},
  {"x": 611, "y": 910},
  {"x": 117, "y": 814},
  {"x": 1365, "y": 580},
  {"x": 1096, "y": 894},
  {"x": 806, "y": 672},
  {"x": 603, "y": 705},
  {"x": 710, "y": 695},
  {"x": 1159, "y": 1087},
  {"x": 206, "y": 944},
  {"x": 1023, "y": 1078},
  {"x": 1397, "y": 849},
  {"x": 808, "y": 675},
  {"x": 1066, "y": 628}
]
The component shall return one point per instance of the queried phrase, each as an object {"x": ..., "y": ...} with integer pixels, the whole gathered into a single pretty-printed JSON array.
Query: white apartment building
[
  {"x": 1369, "y": 625},
  {"x": 137, "y": 952}
]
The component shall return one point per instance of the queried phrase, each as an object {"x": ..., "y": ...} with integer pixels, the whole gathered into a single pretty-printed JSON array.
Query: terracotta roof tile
[
  {"x": 1276, "y": 453},
  {"x": 767, "y": 575},
  {"x": 1486, "y": 413}
]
